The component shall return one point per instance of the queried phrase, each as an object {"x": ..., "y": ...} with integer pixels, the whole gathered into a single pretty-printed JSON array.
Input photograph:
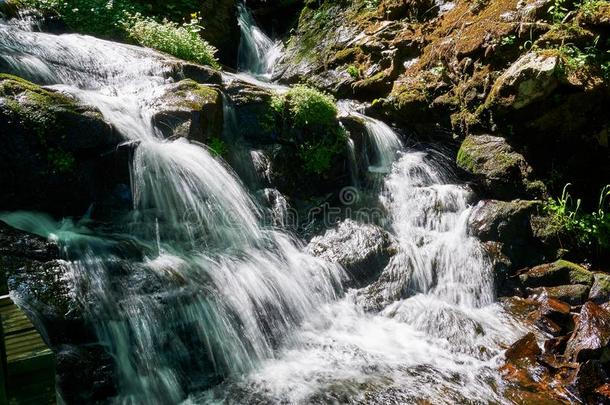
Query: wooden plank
[{"x": 29, "y": 365}]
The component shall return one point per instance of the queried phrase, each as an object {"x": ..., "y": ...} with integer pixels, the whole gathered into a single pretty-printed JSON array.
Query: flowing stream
[{"x": 221, "y": 308}]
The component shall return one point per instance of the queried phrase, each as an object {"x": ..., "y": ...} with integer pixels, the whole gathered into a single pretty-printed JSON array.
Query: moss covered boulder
[
  {"x": 530, "y": 78},
  {"x": 498, "y": 168},
  {"x": 188, "y": 109},
  {"x": 561, "y": 272},
  {"x": 55, "y": 155}
]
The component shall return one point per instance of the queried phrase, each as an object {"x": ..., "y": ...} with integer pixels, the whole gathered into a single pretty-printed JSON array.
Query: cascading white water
[
  {"x": 224, "y": 289},
  {"x": 218, "y": 294},
  {"x": 385, "y": 142},
  {"x": 257, "y": 53},
  {"x": 435, "y": 334}
]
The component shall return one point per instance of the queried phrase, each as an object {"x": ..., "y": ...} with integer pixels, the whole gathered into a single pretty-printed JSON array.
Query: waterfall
[
  {"x": 220, "y": 308},
  {"x": 257, "y": 53},
  {"x": 219, "y": 291}
]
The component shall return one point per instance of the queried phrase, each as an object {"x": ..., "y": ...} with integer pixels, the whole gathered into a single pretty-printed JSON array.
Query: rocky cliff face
[{"x": 447, "y": 70}]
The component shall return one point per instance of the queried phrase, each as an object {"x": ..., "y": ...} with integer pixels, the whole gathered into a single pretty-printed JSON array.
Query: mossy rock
[
  {"x": 500, "y": 170},
  {"x": 50, "y": 148},
  {"x": 600, "y": 291},
  {"x": 561, "y": 272},
  {"x": 189, "y": 109},
  {"x": 531, "y": 78}
]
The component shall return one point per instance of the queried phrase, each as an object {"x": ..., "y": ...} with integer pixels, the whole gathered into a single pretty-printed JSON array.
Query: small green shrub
[
  {"x": 317, "y": 159},
  {"x": 353, "y": 71},
  {"x": 94, "y": 17},
  {"x": 558, "y": 11},
  {"x": 311, "y": 108},
  {"x": 589, "y": 230},
  {"x": 217, "y": 146},
  {"x": 309, "y": 118},
  {"x": 182, "y": 41},
  {"x": 508, "y": 40}
]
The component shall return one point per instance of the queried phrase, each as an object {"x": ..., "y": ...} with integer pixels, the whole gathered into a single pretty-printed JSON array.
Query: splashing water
[{"x": 257, "y": 53}]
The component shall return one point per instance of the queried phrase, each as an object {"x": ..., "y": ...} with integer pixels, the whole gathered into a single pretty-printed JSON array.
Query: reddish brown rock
[
  {"x": 602, "y": 394},
  {"x": 591, "y": 334},
  {"x": 522, "y": 349}
]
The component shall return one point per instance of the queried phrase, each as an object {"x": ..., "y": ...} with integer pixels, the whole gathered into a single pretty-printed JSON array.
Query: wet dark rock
[
  {"x": 253, "y": 118},
  {"x": 558, "y": 273},
  {"x": 55, "y": 155},
  {"x": 502, "y": 221},
  {"x": 190, "y": 110},
  {"x": 219, "y": 17},
  {"x": 555, "y": 309},
  {"x": 589, "y": 377},
  {"x": 505, "y": 228},
  {"x": 42, "y": 286},
  {"x": 600, "y": 291},
  {"x": 501, "y": 171},
  {"x": 85, "y": 366},
  {"x": 525, "y": 348},
  {"x": 553, "y": 316},
  {"x": 573, "y": 294},
  {"x": 363, "y": 250},
  {"x": 591, "y": 334}
]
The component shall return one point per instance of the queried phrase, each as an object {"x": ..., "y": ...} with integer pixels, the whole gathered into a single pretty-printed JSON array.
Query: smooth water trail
[
  {"x": 385, "y": 143},
  {"x": 257, "y": 52}
]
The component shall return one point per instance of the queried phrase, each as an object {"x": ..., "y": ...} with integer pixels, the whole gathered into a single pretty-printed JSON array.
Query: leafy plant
[
  {"x": 217, "y": 146},
  {"x": 353, "y": 71},
  {"x": 371, "y": 4},
  {"x": 182, "y": 41},
  {"x": 508, "y": 40},
  {"x": 590, "y": 230},
  {"x": 95, "y": 17},
  {"x": 311, "y": 108},
  {"x": 309, "y": 116},
  {"x": 558, "y": 11}
]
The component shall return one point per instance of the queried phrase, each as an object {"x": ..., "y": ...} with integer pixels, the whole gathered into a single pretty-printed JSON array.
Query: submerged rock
[{"x": 363, "y": 250}]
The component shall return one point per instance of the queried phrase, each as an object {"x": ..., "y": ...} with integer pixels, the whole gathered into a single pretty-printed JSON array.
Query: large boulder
[
  {"x": 505, "y": 228},
  {"x": 591, "y": 334},
  {"x": 364, "y": 250},
  {"x": 561, "y": 272},
  {"x": 500, "y": 170},
  {"x": 188, "y": 109},
  {"x": 55, "y": 155},
  {"x": 531, "y": 78}
]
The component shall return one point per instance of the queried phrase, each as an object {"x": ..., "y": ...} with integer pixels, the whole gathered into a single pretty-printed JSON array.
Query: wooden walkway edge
[{"x": 27, "y": 366}]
